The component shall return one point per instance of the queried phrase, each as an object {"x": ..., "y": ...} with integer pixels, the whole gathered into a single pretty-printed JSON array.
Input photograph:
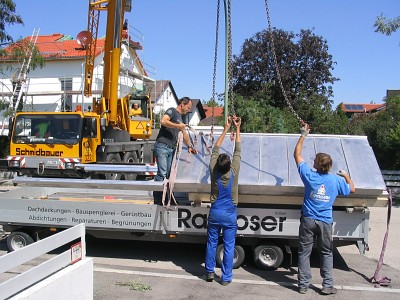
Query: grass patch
[{"x": 135, "y": 286}]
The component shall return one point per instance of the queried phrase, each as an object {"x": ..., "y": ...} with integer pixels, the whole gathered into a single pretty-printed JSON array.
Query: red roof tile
[
  {"x": 57, "y": 46},
  {"x": 369, "y": 107},
  {"x": 218, "y": 111}
]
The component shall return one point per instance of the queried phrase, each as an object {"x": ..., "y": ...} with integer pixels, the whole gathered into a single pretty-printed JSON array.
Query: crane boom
[
  {"x": 91, "y": 44},
  {"x": 115, "y": 17}
]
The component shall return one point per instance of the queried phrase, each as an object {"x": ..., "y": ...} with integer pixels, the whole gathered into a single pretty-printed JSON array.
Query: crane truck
[{"x": 55, "y": 143}]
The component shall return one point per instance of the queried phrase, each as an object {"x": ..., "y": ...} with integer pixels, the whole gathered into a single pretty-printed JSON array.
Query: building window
[{"x": 66, "y": 98}]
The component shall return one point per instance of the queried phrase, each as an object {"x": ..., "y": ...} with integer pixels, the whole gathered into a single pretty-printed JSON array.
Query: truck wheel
[
  {"x": 268, "y": 257},
  {"x": 130, "y": 158},
  {"x": 238, "y": 256},
  {"x": 18, "y": 239},
  {"x": 113, "y": 158}
]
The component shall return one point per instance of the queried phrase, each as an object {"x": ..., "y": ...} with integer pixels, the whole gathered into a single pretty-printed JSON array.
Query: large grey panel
[{"x": 268, "y": 166}]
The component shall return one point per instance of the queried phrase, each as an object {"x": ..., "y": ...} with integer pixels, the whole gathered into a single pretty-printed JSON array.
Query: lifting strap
[
  {"x": 377, "y": 279},
  {"x": 193, "y": 141},
  {"x": 206, "y": 143},
  {"x": 278, "y": 74},
  {"x": 168, "y": 184}
]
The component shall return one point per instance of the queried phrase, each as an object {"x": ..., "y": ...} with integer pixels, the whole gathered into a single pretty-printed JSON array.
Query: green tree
[
  {"x": 8, "y": 16},
  {"x": 18, "y": 51},
  {"x": 257, "y": 116},
  {"x": 305, "y": 68},
  {"x": 304, "y": 65},
  {"x": 212, "y": 103},
  {"x": 14, "y": 53},
  {"x": 251, "y": 113},
  {"x": 383, "y": 132},
  {"x": 386, "y": 26}
]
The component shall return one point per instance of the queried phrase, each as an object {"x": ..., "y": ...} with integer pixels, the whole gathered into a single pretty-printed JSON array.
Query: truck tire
[
  {"x": 238, "y": 256},
  {"x": 18, "y": 239},
  {"x": 268, "y": 257},
  {"x": 130, "y": 158},
  {"x": 113, "y": 158}
]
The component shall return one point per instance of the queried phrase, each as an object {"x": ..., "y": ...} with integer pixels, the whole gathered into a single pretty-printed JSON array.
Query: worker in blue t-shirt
[{"x": 320, "y": 191}]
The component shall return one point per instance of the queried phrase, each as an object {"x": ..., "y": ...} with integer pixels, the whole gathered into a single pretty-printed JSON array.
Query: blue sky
[{"x": 179, "y": 37}]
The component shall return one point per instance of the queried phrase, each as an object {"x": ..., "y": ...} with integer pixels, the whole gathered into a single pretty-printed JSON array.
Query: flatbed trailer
[
  {"x": 267, "y": 233},
  {"x": 270, "y": 199}
]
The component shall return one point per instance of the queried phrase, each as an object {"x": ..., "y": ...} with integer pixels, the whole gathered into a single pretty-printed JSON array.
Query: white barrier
[{"x": 51, "y": 271}]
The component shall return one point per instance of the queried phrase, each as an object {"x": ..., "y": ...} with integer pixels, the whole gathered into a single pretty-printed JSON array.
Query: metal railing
[{"x": 36, "y": 274}]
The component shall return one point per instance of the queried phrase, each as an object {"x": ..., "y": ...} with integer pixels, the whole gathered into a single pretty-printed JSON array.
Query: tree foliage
[
  {"x": 212, "y": 103},
  {"x": 18, "y": 52},
  {"x": 383, "y": 131},
  {"x": 8, "y": 16},
  {"x": 305, "y": 68},
  {"x": 386, "y": 26},
  {"x": 14, "y": 54}
]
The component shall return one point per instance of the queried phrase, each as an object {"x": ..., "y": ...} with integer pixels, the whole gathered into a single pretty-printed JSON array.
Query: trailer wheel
[
  {"x": 113, "y": 158},
  {"x": 18, "y": 239},
  {"x": 268, "y": 257},
  {"x": 130, "y": 158},
  {"x": 238, "y": 256}
]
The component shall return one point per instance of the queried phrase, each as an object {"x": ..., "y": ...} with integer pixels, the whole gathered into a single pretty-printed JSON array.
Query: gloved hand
[
  {"x": 342, "y": 173},
  {"x": 305, "y": 130}
]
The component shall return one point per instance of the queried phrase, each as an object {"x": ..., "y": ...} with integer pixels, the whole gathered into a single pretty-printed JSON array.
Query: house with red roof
[
  {"x": 351, "y": 109},
  {"x": 59, "y": 84}
]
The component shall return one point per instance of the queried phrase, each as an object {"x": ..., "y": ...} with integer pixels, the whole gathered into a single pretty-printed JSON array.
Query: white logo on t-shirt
[
  {"x": 320, "y": 194},
  {"x": 321, "y": 190}
]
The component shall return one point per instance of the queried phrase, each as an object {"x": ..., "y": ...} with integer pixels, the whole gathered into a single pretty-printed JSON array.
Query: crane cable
[
  {"x": 230, "y": 67},
  {"x": 278, "y": 74}
]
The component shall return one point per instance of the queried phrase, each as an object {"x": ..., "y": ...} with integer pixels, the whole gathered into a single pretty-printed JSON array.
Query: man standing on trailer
[
  {"x": 224, "y": 200},
  {"x": 320, "y": 191},
  {"x": 164, "y": 148}
]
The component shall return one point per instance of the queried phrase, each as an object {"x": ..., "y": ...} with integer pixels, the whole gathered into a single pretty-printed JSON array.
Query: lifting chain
[
  {"x": 230, "y": 67},
  {"x": 215, "y": 72},
  {"x": 278, "y": 74}
]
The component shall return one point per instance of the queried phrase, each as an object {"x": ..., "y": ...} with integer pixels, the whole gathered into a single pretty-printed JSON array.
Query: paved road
[
  {"x": 175, "y": 272},
  {"x": 377, "y": 230}
]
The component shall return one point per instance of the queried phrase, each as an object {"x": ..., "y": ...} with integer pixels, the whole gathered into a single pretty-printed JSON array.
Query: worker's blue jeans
[
  {"x": 225, "y": 220},
  {"x": 164, "y": 155},
  {"x": 322, "y": 232}
]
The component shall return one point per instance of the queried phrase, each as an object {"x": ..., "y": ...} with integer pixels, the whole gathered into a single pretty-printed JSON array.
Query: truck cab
[{"x": 53, "y": 143}]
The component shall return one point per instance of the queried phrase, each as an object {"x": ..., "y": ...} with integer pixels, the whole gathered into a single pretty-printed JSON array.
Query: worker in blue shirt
[{"x": 320, "y": 192}]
